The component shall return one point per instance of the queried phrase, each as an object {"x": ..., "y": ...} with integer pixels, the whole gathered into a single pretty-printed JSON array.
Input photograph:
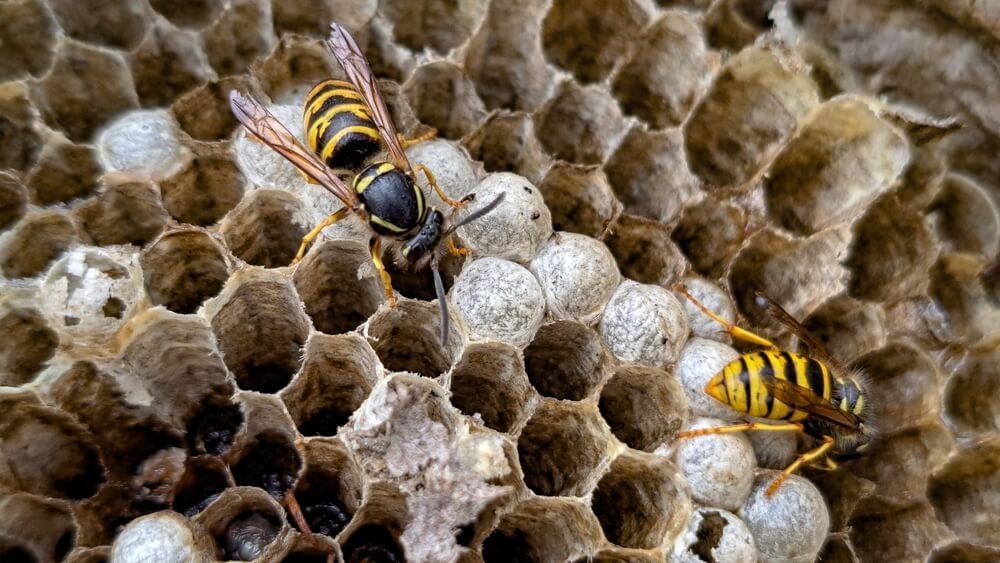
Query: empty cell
[
  {"x": 13, "y": 199},
  {"x": 28, "y": 345},
  {"x": 64, "y": 172},
  {"x": 189, "y": 14},
  {"x": 580, "y": 199},
  {"x": 848, "y": 328},
  {"x": 239, "y": 35},
  {"x": 35, "y": 529},
  {"x": 312, "y": 18},
  {"x": 544, "y": 529},
  {"x": 204, "y": 113},
  {"x": 969, "y": 398},
  {"x": 337, "y": 375},
  {"x": 579, "y": 123},
  {"x": 408, "y": 338},
  {"x": 22, "y": 140},
  {"x": 375, "y": 532},
  {"x": 30, "y": 43},
  {"x": 489, "y": 381},
  {"x": 34, "y": 243},
  {"x": 964, "y": 493},
  {"x": 710, "y": 233},
  {"x": 902, "y": 383},
  {"x": 644, "y": 406},
  {"x": 506, "y": 142},
  {"x": 205, "y": 190},
  {"x": 563, "y": 449},
  {"x": 125, "y": 210},
  {"x": 437, "y": 24},
  {"x": 894, "y": 533},
  {"x": 900, "y": 463},
  {"x": 337, "y": 284},
  {"x": 266, "y": 228},
  {"x": 966, "y": 216},
  {"x": 566, "y": 360},
  {"x": 642, "y": 501},
  {"x": 958, "y": 289},
  {"x": 119, "y": 23},
  {"x": 182, "y": 269},
  {"x": 295, "y": 65},
  {"x": 587, "y": 38},
  {"x": 443, "y": 97},
  {"x": 644, "y": 251},
  {"x": 168, "y": 62},
  {"x": 261, "y": 327}
]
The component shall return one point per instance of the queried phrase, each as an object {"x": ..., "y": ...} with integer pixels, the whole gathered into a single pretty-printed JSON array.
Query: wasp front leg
[
  {"x": 440, "y": 192},
  {"x": 376, "y": 248},
  {"x": 811, "y": 455},
  {"x": 407, "y": 143},
  {"x": 306, "y": 240},
  {"x": 733, "y": 330},
  {"x": 744, "y": 427},
  {"x": 455, "y": 249}
]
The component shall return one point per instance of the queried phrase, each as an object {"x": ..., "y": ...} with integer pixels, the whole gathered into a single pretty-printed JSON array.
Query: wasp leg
[
  {"x": 336, "y": 216},
  {"x": 376, "y": 248},
  {"x": 746, "y": 426},
  {"x": 827, "y": 444},
  {"x": 433, "y": 182},
  {"x": 406, "y": 143},
  {"x": 455, "y": 249},
  {"x": 732, "y": 329}
]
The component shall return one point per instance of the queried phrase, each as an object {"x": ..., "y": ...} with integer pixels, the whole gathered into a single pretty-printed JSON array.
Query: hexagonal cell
[
  {"x": 588, "y": 38},
  {"x": 506, "y": 142},
  {"x": 969, "y": 396},
  {"x": 965, "y": 308},
  {"x": 34, "y": 528},
  {"x": 266, "y": 228},
  {"x": 900, "y": 464},
  {"x": 964, "y": 493},
  {"x": 419, "y": 284},
  {"x": 644, "y": 406},
  {"x": 127, "y": 431},
  {"x": 261, "y": 327},
  {"x": 803, "y": 272},
  {"x": 889, "y": 533},
  {"x": 205, "y": 477},
  {"x": 489, "y": 381},
  {"x": 964, "y": 213},
  {"x": 213, "y": 427},
  {"x": 644, "y": 251},
  {"x": 579, "y": 123},
  {"x": 208, "y": 188},
  {"x": 241, "y": 34},
  {"x": 329, "y": 490},
  {"x": 247, "y": 525},
  {"x": 829, "y": 171},
  {"x": 790, "y": 525},
  {"x": 30, "y": 43},
  {"x": 517, "y": 228},
  {"x": 120, "y": 24},
  {"x": 45, "y": 451},
  {"x": 848, "y": 328},
  {"x": 719, "y": 467},
  {"x": 294, "y": 66},
  {"x": 716, "y": 299},
  {"x": 375, "y": 532},
  {"x": 28, "y": 345},
  {"x": 752, "y": 108},
  {"x": 710, "y": 233},
  {"x": 182, "y": 269},
  {"x": 504, "y": 58},
  {"x": 964, "y": 552},
  {"x": 313, "y": 19},
  {"x": 145, "y": 143},
  {"x": 642, "y": 501},
  {"x": 444, "y": 98},
  {"x": 499, "y": 300},
  {"x": 903, "y": 384},
  {"x": 578, "y": 275},
  {"x": 64, "y": 172},
  {"x": 649, "y": 174},
  {"x": 34, "y": 243},
  {"x": 204, "y": 111},
  {"x": 22, "y": 141},
  {"x": 714, "y": 535},
  {"x": 98, "y": 554},
  {"x": 126, "y": 210},
  {"x": 667, "y": 73},
  {"x": 191, "y": 13},
  {"x": 408, "y": 338},
  {"x": 167, "y": 63},
  {"x": 580, "y": 199},
  {"x": 165, "y": 535},
  {"x": 563, "y": 449},
  {"x": 644, "y": 324},
  {"x": 13, "y": 199},
  {"x": 544, "y": 529},
  {"x": 337, "y": 375},
  {"x": 264, "y": 454},
  {"x": 86, "y": 87},
  {"x": 566, "y": 360},
  {"x": 437, "y": 24},
  {"x": 337, "y": 284}
]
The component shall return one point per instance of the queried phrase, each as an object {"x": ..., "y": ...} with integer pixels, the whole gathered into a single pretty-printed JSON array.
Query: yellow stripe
[
  {"x": 420, "y": 201},
  {"x": 780, "y": 410},
  {"x": 359, "y": 110},
  {"x": 329, "y": 82},
  {"x": 799, "y": 415},
  {"x": 380, "y": 221},
  {"x": 342, "y": 89},
  {"x": 313, "y": 106},
  {"x": 364, "y": 183},
  {"x": 330, "y": 146},
  {"x": 859, "y": 406},
  {"x": 759, "y": 407},
  {"x": 827, "y": 388}
]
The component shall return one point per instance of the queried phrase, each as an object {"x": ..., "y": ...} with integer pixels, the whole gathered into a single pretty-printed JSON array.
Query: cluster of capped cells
[{"x": 167, "y": 379}]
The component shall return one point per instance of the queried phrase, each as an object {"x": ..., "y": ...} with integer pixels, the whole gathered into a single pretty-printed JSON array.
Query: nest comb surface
[{"x": 167, "y": 379}]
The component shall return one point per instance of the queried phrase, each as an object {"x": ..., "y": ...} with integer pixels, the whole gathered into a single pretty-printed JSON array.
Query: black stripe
[
  {"x": 789, "y": 368},
  {"x": 327, "y": 105},
  {"x": 814, "y": 375},
  {"x": 767, "y": 371},
  {"x": 340, "y": 121},
  {"x": 744, "y": 379}
]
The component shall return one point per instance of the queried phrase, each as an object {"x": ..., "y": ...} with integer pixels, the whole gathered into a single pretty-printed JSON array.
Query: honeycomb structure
[{"x": 167, "y": 379}]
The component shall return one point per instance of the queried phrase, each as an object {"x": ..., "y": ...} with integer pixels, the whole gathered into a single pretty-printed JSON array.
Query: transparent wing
[
  {"x": 817, "y": 350},
  {"x": 804, "y": 399},
  {"x": 266, "y": 128},
  {"x": 346, "y": 49}
]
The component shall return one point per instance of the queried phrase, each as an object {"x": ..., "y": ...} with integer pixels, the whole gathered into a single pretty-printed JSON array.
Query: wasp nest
[{"x": 170, "y": 383}]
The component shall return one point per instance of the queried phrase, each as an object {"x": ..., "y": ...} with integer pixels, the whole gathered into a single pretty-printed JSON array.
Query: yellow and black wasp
[
  {"x": 814, "y": 394},
  {"x": 345, "y": 124}
]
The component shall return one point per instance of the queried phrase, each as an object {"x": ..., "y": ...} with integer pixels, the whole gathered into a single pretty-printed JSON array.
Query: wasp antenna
[
  {"x": 442, "y": 302},
  {"x": 477, "y": 213}
]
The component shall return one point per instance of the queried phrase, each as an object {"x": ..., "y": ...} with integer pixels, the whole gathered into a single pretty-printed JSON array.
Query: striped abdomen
[
  {"x": 339, "y": 126},
  {"x": 740, "y": 384}
]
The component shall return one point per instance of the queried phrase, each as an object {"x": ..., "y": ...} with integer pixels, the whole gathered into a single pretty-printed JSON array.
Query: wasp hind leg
[
  {"x": 433, "y": 182},
  {"x": 376, "y": 248},
  {"x": 807, "y": 457},
  {"x": 407, "y": 143},
  {"x": 733, "y": 330},
  {"x": 746, "y": 426},
  {"x": 306, "y": 240}
]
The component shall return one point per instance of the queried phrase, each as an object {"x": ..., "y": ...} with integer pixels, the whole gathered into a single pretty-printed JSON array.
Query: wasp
[
  {"x": 346, "y": 123},
  {"x": 814, "y": 394}
]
